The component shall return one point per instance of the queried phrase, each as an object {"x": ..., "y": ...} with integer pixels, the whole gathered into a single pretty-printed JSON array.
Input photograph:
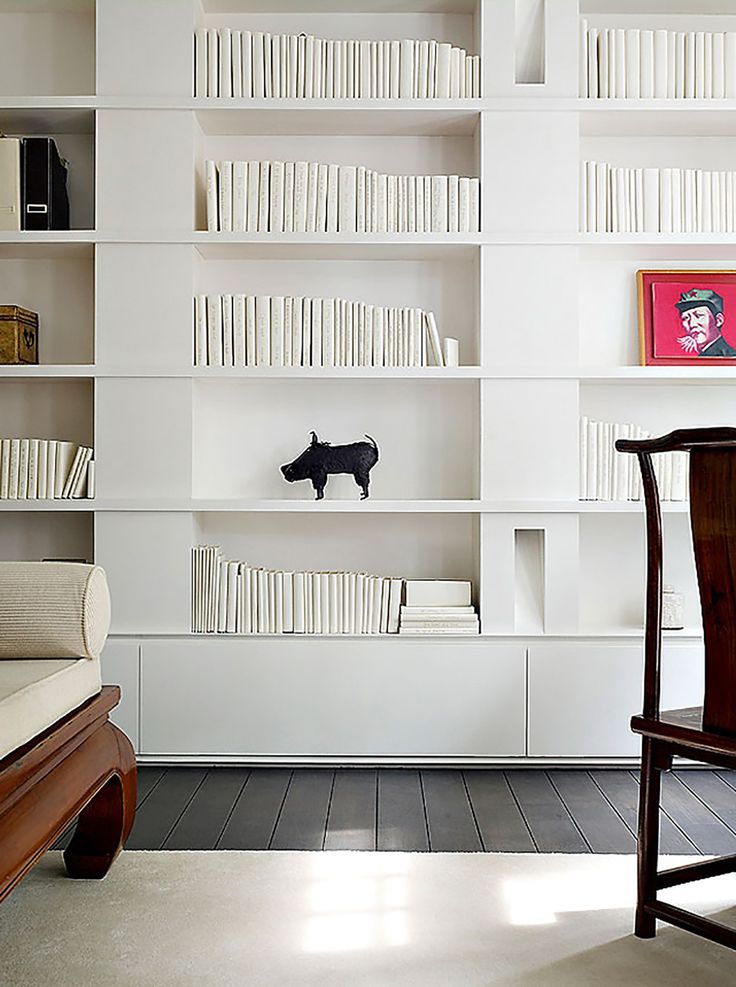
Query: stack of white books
[
  {"x": 232, "y": 63},
  {"x": 309, "y": 197},
  {"x": 287, "y": 331},
  {"x": 233, "y": 597},
  {"x": 606, "y": 474},
  {"x": 45, "y": 469},
  {"x": 628, "y": 63},
  {"x": 438, "y": 606},
  {"x": 656, "y": 200}
]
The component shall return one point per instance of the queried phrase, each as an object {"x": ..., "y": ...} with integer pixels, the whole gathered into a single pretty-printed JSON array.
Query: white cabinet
[{"x": 120, "y": 667}]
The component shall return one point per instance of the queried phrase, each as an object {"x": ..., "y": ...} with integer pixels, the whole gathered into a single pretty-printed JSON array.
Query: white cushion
[
  {"x": 53, "y": 610},
  {"x": 35, "y": 694}
]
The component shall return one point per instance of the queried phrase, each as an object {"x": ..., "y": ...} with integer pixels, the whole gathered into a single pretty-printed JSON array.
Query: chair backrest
[{"x": 713, "y": 523}]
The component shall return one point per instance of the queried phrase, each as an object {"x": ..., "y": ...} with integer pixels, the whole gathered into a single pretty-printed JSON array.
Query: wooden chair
[{"x": 703, "y": 733}]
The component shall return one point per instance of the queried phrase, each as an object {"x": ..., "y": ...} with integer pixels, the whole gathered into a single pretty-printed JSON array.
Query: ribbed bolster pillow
[{"x": 53, "y": 610}]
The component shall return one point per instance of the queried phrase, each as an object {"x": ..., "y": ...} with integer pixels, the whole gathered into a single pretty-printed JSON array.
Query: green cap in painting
[{"x": 700, "y": 296}]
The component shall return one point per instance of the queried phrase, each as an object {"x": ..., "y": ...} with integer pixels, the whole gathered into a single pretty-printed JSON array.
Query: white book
[
  {"x": 360, "y": 199},
  {"x": 42, "y": 469},
  {"x": 583, "y": 58},
  {"x": 651, "y": 200},
  {"x": 438, "y": 593},
  {"x": 312, "y": 175},
  {"x": 729, "y": 64},
  {"x": 215, "y": 348},
  {"x": 301, "y": 172},
  {"x": 394, "y": 605},
  {"x": 600, "y": 464},
  {"x": 277, "y": 197},
  {"x": 264, "y": 613},
  {"x": 267, "y": 66},
  {"x": 211, "y": 193},
  {"x": 632, "y": 56},
  {"x": 287, "y": 602},
  {"x": 227, "y": 331},
  {"x": 225, "y": 187},
  {"x": 347, "y": 213},
  {"x": 277, "y": 625},
  {"x": 237, "y": 64},
  {"x": 307, "y": 332},
  {"x": 718, "y": 71},
  {"x": 706, "y": 201},
  {"x": 289, "y": 331},
  {"x": 665, "y": 200},
  {"x": 439, "y": 204},
  {"x": 292, "y": 75},
  {"x": 324, "y": 601},
  {"x": 299, "y": 603},
  {"x": 309, "y": 66},
  {"x": 230, "y": 574},
  {"x": 288, "y": 197},
  {"x": 708, "y": 70},
  {"x": 433, "y": 336},
  {"x": 70, "y": 476},
  {"x": 406, "y": 69},
  {"x": 680, "y": 65},
  {"x": 263, "y": 330},
  {"x": 604, "y": 63},
  {"x": 200, "y": 62},
  {"x": 239, "y": 195},
  {"x": 455, "y": 72},
  {"x": 333, "y": 182},
  {"x": 620, "y": 64},
  {"x": 246, "y": 55},
  {"x": 671, "y": 63},
  {"x": 200, "y": 331},
  {"x": 699, "y": 64},
  {"x": 264, "y": 193},
  {"x": 277, "y": 331},
  {"x": 213, "y": 62},
  {"x": 297, "y": 331},
  {"x": 329, "y": 72},
  {"x": 392, "y": 207},
  {"x": 316, "y": 584},
  {"x": 593, "y": 88},
  {"x": 591, "y": 459},
  {"x": 239, "y": 331},
  {"x": 474, "y": 205},
  {"x": 276, "y": 66},
  {"x": 602, "y": 216},
  {"x": 79, "y": 481},
  {"x": 321, "y": 215},
  {"x": 328, "y": 332},
  {"x": 4, "y": 468},
  {"x": 677, "y": 200},
  {"x": 31, "y": 468},
  {"x": 14, "y": 471},
  {"x": 316, "y": 331},
  {"x": 251, "y": 347},
  {"x": 442, "y": 87},
  {"x": 253, "y": 195},
  {"x": 583, "y": 457},
  {"x": 660, "y": 64},
  {"x": 226, "y": 63},
  {"x": 646, "y": 74},
  {"x": 51, "y": 468}
]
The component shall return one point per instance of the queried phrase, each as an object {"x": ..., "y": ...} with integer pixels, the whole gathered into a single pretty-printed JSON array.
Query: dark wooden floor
[{"x": 524, "y": 810}]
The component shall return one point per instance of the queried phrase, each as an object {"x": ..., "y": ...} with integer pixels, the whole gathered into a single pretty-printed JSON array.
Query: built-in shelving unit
[{"x": 478, "y": 476}]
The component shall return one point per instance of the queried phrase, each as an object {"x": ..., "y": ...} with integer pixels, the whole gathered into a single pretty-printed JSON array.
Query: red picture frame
[{"x": 687, "y": 318}]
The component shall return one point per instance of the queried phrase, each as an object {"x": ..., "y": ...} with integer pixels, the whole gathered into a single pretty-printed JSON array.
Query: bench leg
[{"x": 105, "y": 822}]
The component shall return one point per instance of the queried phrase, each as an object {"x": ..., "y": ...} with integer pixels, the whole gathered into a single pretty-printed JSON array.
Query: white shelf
[{"x": 614, "y": 634}]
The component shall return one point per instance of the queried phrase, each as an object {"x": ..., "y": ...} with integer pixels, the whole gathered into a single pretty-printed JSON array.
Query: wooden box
[{"x": 18, "y": 335}]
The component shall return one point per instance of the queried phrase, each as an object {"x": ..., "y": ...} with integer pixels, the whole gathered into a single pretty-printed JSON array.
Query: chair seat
[
  {"x": 35, "y": 693},
  {"x": 683, "y": 728}
]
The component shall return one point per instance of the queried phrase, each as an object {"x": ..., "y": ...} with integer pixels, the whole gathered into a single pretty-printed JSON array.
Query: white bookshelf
[{"x": 479, "y": 471}]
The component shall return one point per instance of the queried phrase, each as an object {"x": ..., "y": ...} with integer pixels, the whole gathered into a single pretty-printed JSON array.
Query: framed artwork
[{"x": 687, "y": 317}]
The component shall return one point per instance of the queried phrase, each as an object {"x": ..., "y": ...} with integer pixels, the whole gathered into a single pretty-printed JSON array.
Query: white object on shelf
[
  {"x": 451, "y": 351},
  {"x": 673, "y": 609}
]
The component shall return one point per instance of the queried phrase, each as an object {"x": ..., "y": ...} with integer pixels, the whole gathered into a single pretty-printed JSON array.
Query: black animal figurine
[{"x": 320, "y": 459}]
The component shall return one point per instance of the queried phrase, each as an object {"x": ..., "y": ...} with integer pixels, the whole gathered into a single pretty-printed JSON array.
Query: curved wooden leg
[{"x": 105, "y": 822}]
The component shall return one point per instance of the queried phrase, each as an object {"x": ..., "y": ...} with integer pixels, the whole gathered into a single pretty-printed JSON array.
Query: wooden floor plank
[
  {"x": 200, "y": 825},
  {"x": 499, "y": 819},
  {"x": 402, "y": 824},
  {"x": 449, "y": 815},
  {"x": 702, "y": 826},
  {"x": 253, "y": 818},
  {"x": 148, "y": 778},
  {"x": 545, "y": 813},
  {"x": 158, "y": 814},
  {"x": 351, "y": 824},
  {"x": 714, "y": 791},
  {"x": 301, "y": 825},
  {"x": 622, "y": 789},
  {"x": 600, "y": 824}
]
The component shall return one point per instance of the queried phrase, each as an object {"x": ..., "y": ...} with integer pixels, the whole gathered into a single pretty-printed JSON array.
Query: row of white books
[
  {"x": 45, "y": 469},
  {"x": 286, "y": 331},
  {"x": 628, "y": 63},
  {"x": 656, "y": 200},
  {"x": 308, "y": 197},
  {"x": 232, "y": 597},
  {"x": 606, "y": 474},
  {"x": 232, "y": 63}
]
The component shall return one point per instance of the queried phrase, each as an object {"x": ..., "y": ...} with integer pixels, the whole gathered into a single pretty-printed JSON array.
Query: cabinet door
[
  {"x": 119, "y": 663},
  {"x": 582, "y": 695},
  {"x": 332, "y": 697}
]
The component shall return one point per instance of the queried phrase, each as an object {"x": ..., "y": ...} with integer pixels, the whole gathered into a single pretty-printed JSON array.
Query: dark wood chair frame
[
  {"x": 81, "y": 766},
  {"x": 706, "y": 733}
]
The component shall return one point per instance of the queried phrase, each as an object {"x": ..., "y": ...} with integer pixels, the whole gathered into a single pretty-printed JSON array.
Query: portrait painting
[{"x": 687, "y": 317}]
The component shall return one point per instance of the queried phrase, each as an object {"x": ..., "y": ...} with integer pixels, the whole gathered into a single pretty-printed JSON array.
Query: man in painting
[{"x": 701, "y": 316}]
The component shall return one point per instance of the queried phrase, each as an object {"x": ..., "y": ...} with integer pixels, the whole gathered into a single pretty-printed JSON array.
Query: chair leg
[
  {"x": 105, "y": 822},
  {"x": 648, "y": 839}
]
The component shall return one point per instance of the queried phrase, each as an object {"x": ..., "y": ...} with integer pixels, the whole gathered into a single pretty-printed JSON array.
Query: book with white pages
[{"x": 65, "y": 455}]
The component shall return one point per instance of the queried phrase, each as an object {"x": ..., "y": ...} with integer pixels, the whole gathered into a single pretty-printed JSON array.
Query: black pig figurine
[{"x": 320, "y": 459}]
